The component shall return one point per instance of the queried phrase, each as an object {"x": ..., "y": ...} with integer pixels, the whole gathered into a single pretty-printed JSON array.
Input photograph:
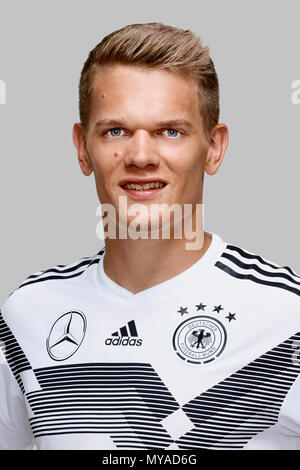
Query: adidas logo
[{"x": 126, "y": 336}]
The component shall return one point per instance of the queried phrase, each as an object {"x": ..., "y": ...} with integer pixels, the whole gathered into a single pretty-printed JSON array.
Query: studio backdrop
[{"x": 48, "y": 208}]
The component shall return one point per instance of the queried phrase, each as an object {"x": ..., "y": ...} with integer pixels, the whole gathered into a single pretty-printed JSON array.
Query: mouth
[{"x": 143, "y": 189}]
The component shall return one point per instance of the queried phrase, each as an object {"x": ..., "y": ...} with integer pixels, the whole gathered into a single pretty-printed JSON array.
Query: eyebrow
[
  {"x": 167, "y": 124},
  {"x": 176, "y": 123},
  {"x": 110, "y": 123}
]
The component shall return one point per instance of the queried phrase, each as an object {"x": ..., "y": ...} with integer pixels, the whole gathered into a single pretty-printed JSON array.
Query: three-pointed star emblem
[{"x": 66, "y": 335}]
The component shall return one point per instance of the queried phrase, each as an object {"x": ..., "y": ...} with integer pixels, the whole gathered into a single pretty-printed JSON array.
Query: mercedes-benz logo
[{"x": 66, "y": 335}]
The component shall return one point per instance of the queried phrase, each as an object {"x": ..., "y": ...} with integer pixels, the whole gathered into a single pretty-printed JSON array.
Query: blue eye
[
  {"x": 172, "y": 132},
  {"x": 115, "y": 132}
]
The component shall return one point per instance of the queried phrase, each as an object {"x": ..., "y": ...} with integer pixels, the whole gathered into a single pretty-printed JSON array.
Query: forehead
[{"x": 135, "y": 92}]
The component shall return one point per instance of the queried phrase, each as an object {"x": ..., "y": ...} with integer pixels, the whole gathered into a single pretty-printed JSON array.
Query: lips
[
  {"x": 143, "y": 188},
  {"x": 142, "y": 184}
]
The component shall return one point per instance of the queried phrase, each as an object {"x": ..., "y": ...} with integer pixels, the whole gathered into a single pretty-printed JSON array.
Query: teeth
[{"x": 152, "y": 185}]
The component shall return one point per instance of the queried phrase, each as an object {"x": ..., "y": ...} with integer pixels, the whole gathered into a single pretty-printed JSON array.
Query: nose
[{"x": 140, "y": 150}]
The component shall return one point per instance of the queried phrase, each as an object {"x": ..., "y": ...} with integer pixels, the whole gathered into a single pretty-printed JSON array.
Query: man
[{"x": 152, "y": 344}]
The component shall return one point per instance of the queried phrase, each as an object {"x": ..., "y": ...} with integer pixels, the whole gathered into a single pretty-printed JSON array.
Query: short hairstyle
[{"x": 156, "y": 46}]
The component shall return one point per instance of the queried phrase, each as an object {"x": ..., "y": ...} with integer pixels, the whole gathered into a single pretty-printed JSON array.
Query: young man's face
[{"x": 145, "y": 126}]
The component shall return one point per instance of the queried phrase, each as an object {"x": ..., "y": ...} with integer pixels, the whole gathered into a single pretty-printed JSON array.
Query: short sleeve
[{"x": 15, "y": 432}]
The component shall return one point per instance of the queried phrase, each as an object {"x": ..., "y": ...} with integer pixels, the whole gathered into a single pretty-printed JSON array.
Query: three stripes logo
[{"x": 126, "y": 336}]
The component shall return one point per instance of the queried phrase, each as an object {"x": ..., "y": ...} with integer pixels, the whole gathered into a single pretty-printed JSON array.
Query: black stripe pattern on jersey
[
  {"x": 13, "y": 353},
  {"x": 241, "y": 264},
  {"x": 63, "y": 271},
  {"x": 129, "y": 402},
  {"x": 126, "y": 401},
  {"x": 248, "y": 402}
]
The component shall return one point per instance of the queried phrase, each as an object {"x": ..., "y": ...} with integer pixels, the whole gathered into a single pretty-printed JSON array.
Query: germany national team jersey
[{"x": 209, "y": 359}]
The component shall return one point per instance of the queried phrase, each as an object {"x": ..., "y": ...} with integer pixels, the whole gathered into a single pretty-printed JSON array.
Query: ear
[
  {"x": 219, "y": 137},
  {"x": 79, "y": 140}
]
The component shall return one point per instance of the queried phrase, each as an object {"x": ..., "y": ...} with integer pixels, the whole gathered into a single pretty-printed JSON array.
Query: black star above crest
[
  {"x": 217, "y": 309},
  {"x": 183, "y": 311},
  {"x": 200, "y": 306},
  {"x": 231, "y": 316}
]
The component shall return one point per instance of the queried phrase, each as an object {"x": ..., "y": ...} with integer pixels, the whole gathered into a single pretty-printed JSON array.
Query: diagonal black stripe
[
  {"x": 132, "y": 328},
  {"x": 250, "y": 277},
  {"x": 50, "y": 278},
  {"x": 259, "y": 258},
  {"x": 124, "y": 331},
  {"x": 14, "y": 355},
  {"x": 94, "y": 261},
  {"x": 59, "y": 271},
  {"x": 233, "y": 407},
  {"x": 138, "y": 411},
  {"x": 258, "y": 269}
]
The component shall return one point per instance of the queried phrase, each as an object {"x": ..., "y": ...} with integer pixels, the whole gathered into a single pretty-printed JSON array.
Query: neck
[{"x": 137, "y": 265}]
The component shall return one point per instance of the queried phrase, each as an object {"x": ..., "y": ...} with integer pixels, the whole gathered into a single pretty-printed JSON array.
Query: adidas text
[{"x": 123, "y": 342}]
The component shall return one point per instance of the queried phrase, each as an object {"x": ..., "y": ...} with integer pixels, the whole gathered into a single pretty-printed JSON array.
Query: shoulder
[
  {"x": 44, "y": 283},
  {"x": 244, "y": 265}
]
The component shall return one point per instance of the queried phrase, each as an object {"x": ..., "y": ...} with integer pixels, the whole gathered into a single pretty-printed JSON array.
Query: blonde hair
[{"x": 159, "y": 46}]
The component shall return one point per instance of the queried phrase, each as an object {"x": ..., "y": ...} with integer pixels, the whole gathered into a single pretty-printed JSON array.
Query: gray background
[{"x": 48, "y": 208}]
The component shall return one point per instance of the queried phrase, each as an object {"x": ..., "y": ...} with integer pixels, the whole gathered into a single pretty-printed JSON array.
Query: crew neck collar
[{"x": 190, "y": 275}]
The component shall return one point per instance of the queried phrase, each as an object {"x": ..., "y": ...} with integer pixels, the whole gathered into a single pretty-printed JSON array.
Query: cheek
[
  {"x": 187, "y": 165},
  {"x": 102, "y": 159}
]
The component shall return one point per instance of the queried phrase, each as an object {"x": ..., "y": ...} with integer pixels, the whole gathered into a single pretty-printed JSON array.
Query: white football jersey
[{"x": 209, "y": 359}]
